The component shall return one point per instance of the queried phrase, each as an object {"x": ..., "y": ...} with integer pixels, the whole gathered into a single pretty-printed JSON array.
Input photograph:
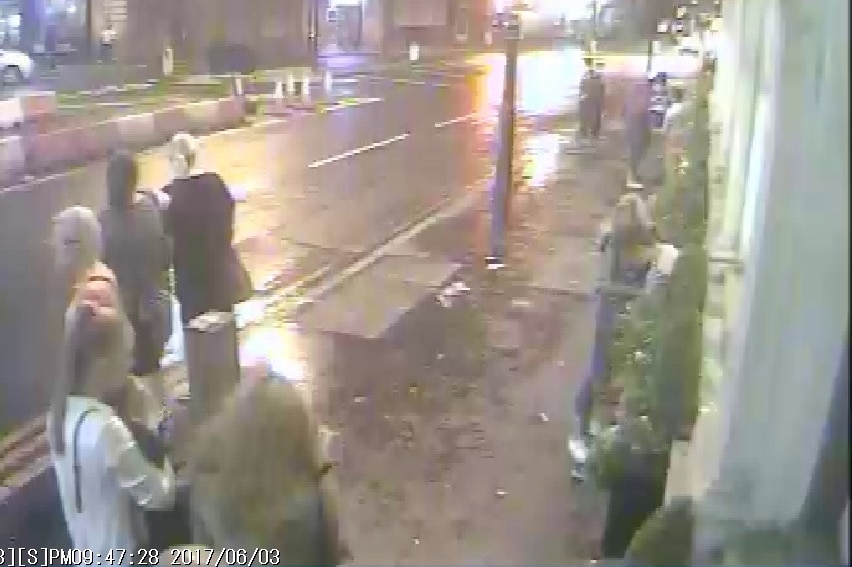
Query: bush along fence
[
  {"x": 656, "y": 363},
  {"x": 656, "y": 355}
]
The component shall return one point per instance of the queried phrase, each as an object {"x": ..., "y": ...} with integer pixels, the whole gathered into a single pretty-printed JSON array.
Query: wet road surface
[
  {"x": 318, "y": 189},
  {"x": 452, "y": 407}
]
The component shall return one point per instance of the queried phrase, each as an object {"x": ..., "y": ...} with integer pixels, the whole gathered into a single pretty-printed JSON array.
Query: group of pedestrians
[
  {"x": 633, "y": 259},
  {"x": 256, "y": 474},
  {"x": 646, "y": 108}
]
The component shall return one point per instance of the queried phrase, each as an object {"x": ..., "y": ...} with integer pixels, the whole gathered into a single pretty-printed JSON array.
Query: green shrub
[
  {"x": 665, "y": 539},
  {"x": 656, "y": 353}
]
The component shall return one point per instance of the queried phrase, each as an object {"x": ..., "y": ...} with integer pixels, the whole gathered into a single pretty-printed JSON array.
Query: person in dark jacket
[
  {"x": 136, "y": 249},
  {"x": 637, "y": 119},
  {"x": 200, "y": 220},
  {"x": 591, "y": 102},
  {"x": 627, "y": 251}
]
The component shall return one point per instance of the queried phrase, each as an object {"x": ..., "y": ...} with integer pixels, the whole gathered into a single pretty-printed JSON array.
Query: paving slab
[
  {"x": 365, "y": 306},
  {"x": 568, "y": 267},
  {"x": 428, "y": 272}
]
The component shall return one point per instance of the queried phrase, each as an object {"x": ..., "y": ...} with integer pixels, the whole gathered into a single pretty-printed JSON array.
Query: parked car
[{"x": 16, "y": 67}]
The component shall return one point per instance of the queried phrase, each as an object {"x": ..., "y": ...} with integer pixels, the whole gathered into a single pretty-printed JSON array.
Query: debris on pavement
[{"x": 447, "y": 296}]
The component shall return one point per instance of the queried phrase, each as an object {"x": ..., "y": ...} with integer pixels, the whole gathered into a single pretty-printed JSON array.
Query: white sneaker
[{"x": 578, "y": 449}]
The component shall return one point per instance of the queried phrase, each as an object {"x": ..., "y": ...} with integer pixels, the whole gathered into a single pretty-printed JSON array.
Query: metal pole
[
  {"x": 313, "y": 30},
  {"x": 594, "y": 34},
  {"x": 502, "y": 186},
  {"x": 508, "y": 134}
]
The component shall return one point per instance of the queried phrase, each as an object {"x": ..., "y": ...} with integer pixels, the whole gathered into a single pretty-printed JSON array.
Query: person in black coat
[
  {"x": 136, "y": 249},
  {"x": 200, "y": 220}
]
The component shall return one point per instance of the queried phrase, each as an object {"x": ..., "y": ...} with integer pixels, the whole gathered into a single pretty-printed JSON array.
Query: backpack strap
[{"x": 75, "y": 459}]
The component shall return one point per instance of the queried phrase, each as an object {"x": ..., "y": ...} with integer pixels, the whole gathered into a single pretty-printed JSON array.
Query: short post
[
  {"x": 291, "y": 84},
  {"x": 306, "y": 87},
  {"x": 413, "y": 52},
  {"x": 212, "y": 361},
  {"x": 328, "y": 83},
  {"x": 502, "y": 186},
  {"x": 237, "y": 83},
  {"x": 168, "y": 62}
]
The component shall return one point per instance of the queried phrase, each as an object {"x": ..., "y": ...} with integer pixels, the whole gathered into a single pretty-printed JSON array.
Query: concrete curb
[{"x": 40, "y": 153}]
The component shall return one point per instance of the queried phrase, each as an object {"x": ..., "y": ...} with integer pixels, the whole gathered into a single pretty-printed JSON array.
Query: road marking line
[
  {"x": 356, "y": 151},
  {"x": 352, "y": 104},
  {"x": 456, "y": 120}
]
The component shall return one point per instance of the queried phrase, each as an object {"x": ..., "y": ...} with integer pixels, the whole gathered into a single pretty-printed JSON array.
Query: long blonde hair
[
  {"x": 76, "y": 243},
  {"x": 256, "y": 467},
  {"x": 96, "y": 350},
  {"x": 632, "y": 224},
  {"x": 183, "y": 154}
]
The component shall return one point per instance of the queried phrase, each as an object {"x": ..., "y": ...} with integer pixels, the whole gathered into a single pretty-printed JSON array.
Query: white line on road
[
  {"x": 356, "y": 151},
  {"x": 456, "y": 120},
  {"x": 352, "y": 104}
]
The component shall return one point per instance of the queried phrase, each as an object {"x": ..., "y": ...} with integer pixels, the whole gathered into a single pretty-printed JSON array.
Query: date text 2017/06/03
[{"x": 21, "y": 556}]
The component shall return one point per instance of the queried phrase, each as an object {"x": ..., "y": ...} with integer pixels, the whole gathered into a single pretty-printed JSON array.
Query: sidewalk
[{"x": 451, "y": 384}]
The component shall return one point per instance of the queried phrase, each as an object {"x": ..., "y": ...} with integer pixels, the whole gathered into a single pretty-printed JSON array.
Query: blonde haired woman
[
  {"x": 102, "y": 473},
  {"x": 627, "y": 251},
  {"x": 77, "y": 247},
  {"x": 200, "y": 220},
  {"x": 260, "y": 480}
]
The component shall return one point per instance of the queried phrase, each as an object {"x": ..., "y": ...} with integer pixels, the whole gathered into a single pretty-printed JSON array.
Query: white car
[{"x": 16, "y": 67}]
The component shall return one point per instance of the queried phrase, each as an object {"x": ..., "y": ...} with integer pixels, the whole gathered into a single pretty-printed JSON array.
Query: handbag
[{"x": 240, "y": 287}]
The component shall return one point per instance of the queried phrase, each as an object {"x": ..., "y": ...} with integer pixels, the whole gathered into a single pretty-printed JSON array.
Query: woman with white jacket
[{"x": 104, "y": 478}]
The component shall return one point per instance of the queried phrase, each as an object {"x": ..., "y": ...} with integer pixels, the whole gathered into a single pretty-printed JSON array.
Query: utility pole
[
  {"x": 594, "y": 32},
  {"x": 313, "y": 31}
]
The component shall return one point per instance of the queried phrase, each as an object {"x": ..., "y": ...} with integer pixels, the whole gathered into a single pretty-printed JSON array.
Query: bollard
[
  {"x": 212, "y": 361},
  {"x": 238, "y": 86},
  {"x": 168, "y": 62},
  {"x": 327, "y": 82},
  {"x": 413, "y": 52},
  {"x": 278, "y": 94},
  {"x": 306, "y": 87}
]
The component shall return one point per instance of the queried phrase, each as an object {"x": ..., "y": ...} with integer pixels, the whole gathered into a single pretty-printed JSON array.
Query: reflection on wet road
[{"x": 316, "y": 190}]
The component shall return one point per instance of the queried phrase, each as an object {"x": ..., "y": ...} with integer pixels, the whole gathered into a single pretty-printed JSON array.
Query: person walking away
[
  {"x": 108, "y": 35},
  {"x": 200, "y": 220},
  {"x": 587, "y": 101},
  {"x": 103, "y": 475},
  {"x": 136, "y": 249},
  {"x": 597, "y": 101},
  {"x": 626, "y": 251},
  {"x": 637, "y": 121},
  {"x": 260, "y": 480}
]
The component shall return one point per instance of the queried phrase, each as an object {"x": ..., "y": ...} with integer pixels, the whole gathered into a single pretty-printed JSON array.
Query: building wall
[
  {"x": 778, "y": 305},
  {"x": 274, "y": 31}
]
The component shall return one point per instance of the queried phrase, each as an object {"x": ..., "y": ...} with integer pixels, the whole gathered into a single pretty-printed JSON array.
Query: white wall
[{"x": 785, "y": 213}]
